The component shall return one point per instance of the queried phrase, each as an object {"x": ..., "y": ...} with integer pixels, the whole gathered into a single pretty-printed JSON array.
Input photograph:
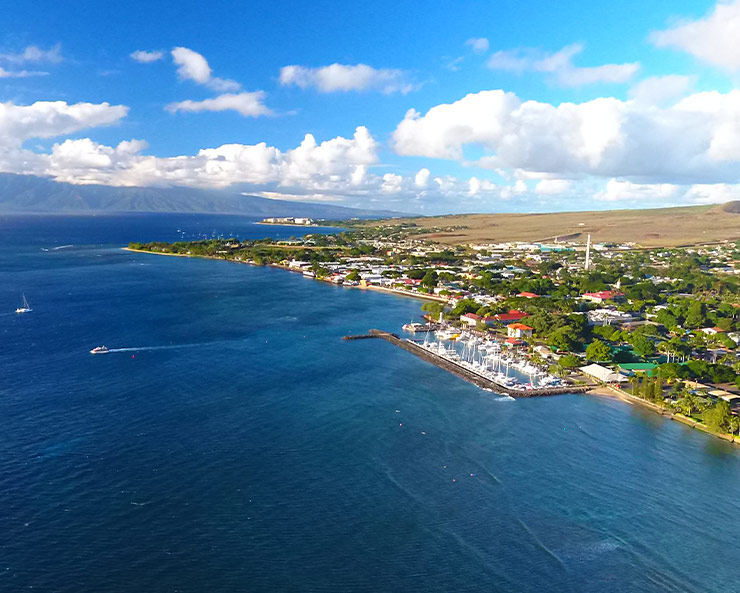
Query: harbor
[{"x": 476, "y": 366}]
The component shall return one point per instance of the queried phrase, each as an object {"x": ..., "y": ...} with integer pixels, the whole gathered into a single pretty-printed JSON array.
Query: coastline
[
  {"x": 287, "y": 269},
  {"x": 620, "y": 394},
  {"x": 598, "y": 390}
]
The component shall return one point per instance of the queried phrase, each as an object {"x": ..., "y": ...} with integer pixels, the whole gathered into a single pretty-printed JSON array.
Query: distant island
[{"x": 656, "y": 327}]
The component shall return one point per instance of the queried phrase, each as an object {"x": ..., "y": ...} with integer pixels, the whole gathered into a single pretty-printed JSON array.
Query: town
[{"x": 657, "y": 327}]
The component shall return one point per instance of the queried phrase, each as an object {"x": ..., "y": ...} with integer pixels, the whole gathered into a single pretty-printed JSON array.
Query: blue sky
[{"x": 518, "y": 106}]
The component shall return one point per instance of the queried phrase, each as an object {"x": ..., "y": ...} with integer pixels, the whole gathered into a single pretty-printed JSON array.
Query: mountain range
[{"x": 31, "y": 194}]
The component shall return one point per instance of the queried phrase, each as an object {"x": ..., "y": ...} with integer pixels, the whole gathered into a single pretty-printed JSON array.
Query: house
[
  {"x": 713, "y": 331},
  {"x": 528, "y": 295},
  {"x": 519, "y": 330},
  {"x": 513, "y": 343},
  {"x": 513, "y": 316},
  {"x": 602, "y": 296},
  {"x": 470, "y": 319},
  {"x": 603, "y": 374}
]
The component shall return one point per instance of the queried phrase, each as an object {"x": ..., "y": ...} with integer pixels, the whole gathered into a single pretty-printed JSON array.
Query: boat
[
  {"x": 25, "y": 308},
  {"x": 100, "y": 350}
]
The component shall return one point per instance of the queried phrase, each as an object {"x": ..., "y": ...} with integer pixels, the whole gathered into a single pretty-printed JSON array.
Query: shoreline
[
  {"x": 598, "y": 390},
  {"x": 628, "y": 398}
]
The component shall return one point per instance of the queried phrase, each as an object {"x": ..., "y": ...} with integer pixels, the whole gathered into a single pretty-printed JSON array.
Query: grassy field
[{"x": 664, "y": 227}]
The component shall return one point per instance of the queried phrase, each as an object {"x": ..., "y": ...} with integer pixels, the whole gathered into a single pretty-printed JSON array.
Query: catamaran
[{"x": 25, "y": 308}]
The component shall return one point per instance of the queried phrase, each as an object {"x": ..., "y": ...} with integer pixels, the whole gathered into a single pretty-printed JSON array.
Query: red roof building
[
  {"x": 528, "y": 295},
  {"x": 603, "y": 295},
  {"x": 511, "y": 317}
]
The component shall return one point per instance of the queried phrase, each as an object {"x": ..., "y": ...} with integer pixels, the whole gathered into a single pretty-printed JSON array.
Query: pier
[{"x": 465, "y": 373}]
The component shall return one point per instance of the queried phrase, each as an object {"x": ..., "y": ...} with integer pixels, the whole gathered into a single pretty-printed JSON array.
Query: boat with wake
[
  {"x": 100, "y": 350},
  {"x": 25, "y": 308}
]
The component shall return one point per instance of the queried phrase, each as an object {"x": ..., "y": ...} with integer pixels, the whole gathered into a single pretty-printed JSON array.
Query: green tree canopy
[{"x": 598, "y": 351}]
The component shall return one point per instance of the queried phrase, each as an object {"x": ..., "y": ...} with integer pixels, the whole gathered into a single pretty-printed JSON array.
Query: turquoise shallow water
[{"x": 242, "y": 446}]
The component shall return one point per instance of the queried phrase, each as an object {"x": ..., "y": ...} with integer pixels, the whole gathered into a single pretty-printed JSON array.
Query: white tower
[{"x": 588, "y": 253}]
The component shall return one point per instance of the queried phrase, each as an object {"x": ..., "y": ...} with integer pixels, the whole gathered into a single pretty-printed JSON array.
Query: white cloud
[
  {"x": 549, "y": 187},
  {"x": 391, "y": 183},
  {"x": 697, "y": 140},
  {"x": 479, "y": 45},
  {"x": 617, "y": 190},
  {"x": 247, "y": 104},
  {"x": 422, "y": 177},
  {"x": 193, "y": 66},
  {"x": 341, "y": 77},
  {"x": 712, "y": 39},
  {"x": 146, "y": 57},
  {"x": 713, "y": 193},
  {"x": 33, "y": 53},
  {"x": 560, "y": 67},
  {"x": 658, "y": 90},
  {"x": 47, "y": 119},
  {"x": 19, "y": 73}
]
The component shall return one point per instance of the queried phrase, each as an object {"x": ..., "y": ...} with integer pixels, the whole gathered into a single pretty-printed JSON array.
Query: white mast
[{"x": 588, "y": 253}]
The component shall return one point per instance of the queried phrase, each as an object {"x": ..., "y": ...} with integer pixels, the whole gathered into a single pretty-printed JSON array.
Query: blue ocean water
[{"x": 242, "y": 446}]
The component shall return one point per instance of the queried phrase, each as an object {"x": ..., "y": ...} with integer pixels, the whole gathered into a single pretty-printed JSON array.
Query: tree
[
  {"x": 354, "y": 276},
  {"x": 465, "y": 306},
  {"x": 563, "y": 339},
  {"x": 717, "y": 418},
  {"x": 569, "y": 361},
  {"x": 433, "y": 308},
  {"x": 598, "y": 351},
  {"x": 642, "y": 347},
  {"x": 696, "y": 316},
  {"x": 430, "y": 279}
]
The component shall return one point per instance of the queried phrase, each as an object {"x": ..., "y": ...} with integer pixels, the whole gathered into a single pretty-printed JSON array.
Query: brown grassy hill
[{"x": 662, "y": 227}]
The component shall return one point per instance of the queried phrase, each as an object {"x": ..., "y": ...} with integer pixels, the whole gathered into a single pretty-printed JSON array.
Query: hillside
[
  {"x": 26, "y": 193},
  {"x": 663, "y": 227}
]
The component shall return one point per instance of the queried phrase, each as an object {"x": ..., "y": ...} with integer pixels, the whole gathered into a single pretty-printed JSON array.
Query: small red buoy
[{"x": 133, "y": 356}]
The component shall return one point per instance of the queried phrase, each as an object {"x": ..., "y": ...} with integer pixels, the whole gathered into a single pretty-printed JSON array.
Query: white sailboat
[{"x": 25, "y": 308}]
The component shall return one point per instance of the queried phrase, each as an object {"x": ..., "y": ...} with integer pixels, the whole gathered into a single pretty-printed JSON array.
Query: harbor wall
[{"x": 464, "y": 373}]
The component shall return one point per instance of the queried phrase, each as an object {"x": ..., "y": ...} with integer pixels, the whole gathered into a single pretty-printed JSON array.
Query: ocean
[{"x": 234, "y": 442}]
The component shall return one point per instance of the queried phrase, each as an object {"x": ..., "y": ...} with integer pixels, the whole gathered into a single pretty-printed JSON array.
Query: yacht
[
  {"x": 100, "y": 350},
  {"x": 25, "y": 308}
]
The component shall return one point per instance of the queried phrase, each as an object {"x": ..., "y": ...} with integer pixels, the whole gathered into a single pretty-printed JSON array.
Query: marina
[{"x": 474, "y": 364}]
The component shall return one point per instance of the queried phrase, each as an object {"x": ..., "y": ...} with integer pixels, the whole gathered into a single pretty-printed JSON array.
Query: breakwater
[{"x": 463, "y": 372}]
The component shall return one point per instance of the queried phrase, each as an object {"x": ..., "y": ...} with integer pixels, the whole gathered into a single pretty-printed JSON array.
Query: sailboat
[{"x": 25, "y": 308}]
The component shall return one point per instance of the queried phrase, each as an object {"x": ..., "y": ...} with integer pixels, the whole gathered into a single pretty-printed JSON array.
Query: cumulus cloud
[
  {"x": 193, "y": 66},
  {"x": 246, "y": 104},
  {"x": 343, "y": 78},
  {"x": 559, "y": 66},
  {"x": 146, "y": 57},
  {"x": 697, "y": 140},
  {"x": 550, "y": 187},
  {"x": 33, "y": 53},
  {"x": 478, "y": 45},
  {"x": 712, "y": 39},
  {"x": 48, "y": 119},
  {"x": 658, "y": 90},
  {"x": 421, "y": 179},
  {"x": 617, "y": 190}
]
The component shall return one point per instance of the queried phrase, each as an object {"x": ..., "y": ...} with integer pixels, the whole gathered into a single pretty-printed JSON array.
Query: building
[
  {"x": 604, "y": 374},
  {"x": 470, "y": 319},
  {"x": 602, "y": 296},
  {"x": 713, "y": 331},
  {"x": 528, "y": 295},
  {"x": 513, "y": 316},
  {"x": 519, "y": 330}
]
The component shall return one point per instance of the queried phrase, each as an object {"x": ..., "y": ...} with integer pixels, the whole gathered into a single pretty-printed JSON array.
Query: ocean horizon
[{"x": 231, "y": 441}]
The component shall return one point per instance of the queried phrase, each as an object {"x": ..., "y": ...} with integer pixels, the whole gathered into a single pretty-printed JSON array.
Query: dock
[{"x": 462, "y": 372}]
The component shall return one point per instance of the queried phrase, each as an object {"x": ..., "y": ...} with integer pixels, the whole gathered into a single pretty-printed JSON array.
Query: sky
[{"x": 430, "y": 107}]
